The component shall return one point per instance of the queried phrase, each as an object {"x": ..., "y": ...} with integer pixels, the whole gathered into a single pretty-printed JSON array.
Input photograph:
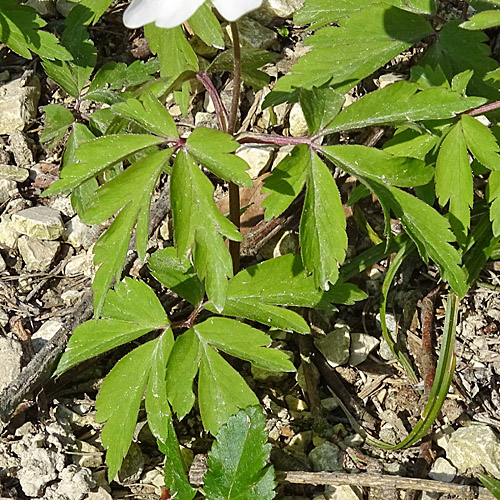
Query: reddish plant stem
[
  {"x": 484, "y": 109},
  {"x": 234, "y": 191},
  {"x": 220, "y": 109}
]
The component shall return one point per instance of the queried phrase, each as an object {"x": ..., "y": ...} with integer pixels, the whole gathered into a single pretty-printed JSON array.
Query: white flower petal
[
  {"x": 234, "y": 9},
  {"x": 165, "y": 13}
]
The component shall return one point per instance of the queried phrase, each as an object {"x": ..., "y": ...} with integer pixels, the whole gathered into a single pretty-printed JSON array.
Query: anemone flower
[{"x": 171, "y": 13}]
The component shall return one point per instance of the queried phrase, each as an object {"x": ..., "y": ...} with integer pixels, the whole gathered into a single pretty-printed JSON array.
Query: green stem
[{"x": 234, "y": 191}]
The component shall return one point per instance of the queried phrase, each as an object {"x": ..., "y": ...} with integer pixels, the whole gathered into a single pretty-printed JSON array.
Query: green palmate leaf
[
  {"x": 323, "y": 239},
  {"x": 481, "y": 142},
  {"x": 221, "y": 389},
  {"x": 130, "y": 191},
  {"x": 454, "y": 179},
  {"x": 244, "y": 342},
  {"x": 98, "y": 155},
  {"x": 73, "y": 75},
  {"x": 175, "y": 469},
  {"x": 177, "y": 276},
  {"x": 173, "y": 50},
  {"x": 251, "y": 61},
  {"x": 492, "y": 484},
  {"x": 149, "y": 114},
  {"x": 483, "y": 20},
  {"x": 341, "y": 57},
  {"x": 212, "y": 148},
  {"x": 118, "y": 403},
  {"x": 380, "y": 166},
  {"x": 57, "y": 121},
  {"x": 286, "y": 181},
  {"x": 406, "y": 105},
  {"x": 320, "y": 106},
  {"x": 157, "y": 407},
  {"x": 81, "y": 195},
  {"x": 130, "y": 311},
  {"x": 458, "y": 50},
  {"x": 207, "y": 27},
  {"x": 199, "y": 225},
  {"x": 493, "y": 196},
  {"x": 237, "y": 461},
  {"x": 20, "y": 30}
]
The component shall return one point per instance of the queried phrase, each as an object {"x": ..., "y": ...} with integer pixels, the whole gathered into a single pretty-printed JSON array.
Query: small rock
[
  {"x": 3, "y": 265},
  {"x": 326, "y": 457},
  {"x": 156, "y": 478},
  {"x": 25, "y": 429},
  {"x": 63, "y": 205},
  {"x": 475, "y": 446},
  {"x": 13, "y": 173},
  {"x": 75, "y": 231},
  {"x": 100, "y": 494},
  {"x": 295, "y": 404},
  {"x": 75, "y": 484},
  {"x": 361, "y": 345},
  {"x": 335, "y": 345},
  {"x": 71, "y": 297},
  {"x": 45, "y": 333},
  {"x": 11, "y": 355},
  {"x": 18, "y": 103},
  {"x": 43, "y": 7},
  {"x": 283, "y": 9},
  {"x": 300, "y": 442},
  {"x": 41, "y": 222},
  {"x": 8, "y": 189},
  {"x": 253, "y": 34},
  {"x": 80, "y": 264},
  {"x": 442, "y": 470},
  {"x": 8, "y": 233},
  {"x": 22, "y": 149},
  {"x": 208, "y": 120},
  {"x": 87, "y": 455},
  {"x": 258, "y": 159},
  {"x": 37, "y": 255},
  {"x": 38, "y": 467},
  {"x": 132, "y": 466},
  {"x": 297, "y": 120},
  {"x": 343, "y": 492},
  {"x": 4, "y": 318}
]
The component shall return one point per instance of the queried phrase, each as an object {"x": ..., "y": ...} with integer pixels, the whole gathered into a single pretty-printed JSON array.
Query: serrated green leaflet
[
  {"x": 237, "y": 461},
  {"x": 454, "y": 179},
  {"x": 175, "y": 469},
  {"x": 366, "y": 40},
  {"x": 406, "y": 105},
  {"x": 98, "y": 155},
  {"x": 320, "y": 106},
  {"x": 157, "y": 407},
  {"x": 198, "y": 225},
  {"x": 212, "y": 149},
  {"x": 57, "y": 121},
  {"x": 20, "y": 30},
  {"x": 286, "y": 181},
  {"x": 323, "y": 239},
  {"x": 118, "y": 403},
  {"x": 207, "y": 27},
  {"x": 481, "y": 142},
  {"x": 493, "y": 196},
  {"x": 130, "y": 191},
  {"x": 177, "y": 276},
  {"x": 380, "y": 166},
  {"x": 483, "y": 20},
  {"x": 130, "y": 311},
  {"x": 458, "y": 50},
  {"x": 149, "y": 114},
  {"x": 244, "y": 342},
  {"x": 411, "y": 143}
]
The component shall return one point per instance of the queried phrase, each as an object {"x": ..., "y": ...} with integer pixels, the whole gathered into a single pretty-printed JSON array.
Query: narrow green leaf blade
[
  {"x": 57, "y": 121},
  {"x": 481, "y": 142},
  {"x": 323, "y": 238},
  {"x": 493, "y": 197},
  {"x": 118, "y": 403},
  {"x": 237, "y": 460},
  {"x": 483, "y": 20},
  {"x": 492, "y": 484},
  {"x": 207, "y": 27}
]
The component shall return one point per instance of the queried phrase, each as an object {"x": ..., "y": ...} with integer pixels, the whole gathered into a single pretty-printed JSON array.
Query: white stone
[
  {"x": 297, "y": 120},
  {"x": 38, "y": 467},
  {"x": 279, "y": 8},
  {"x": 13, "y": 173},
  {"x": 3, "y": 265},
  {"x": 335, "y": 345},
  {"x": 7, "y": 190},
  {"x": 71, "y": 297},
  {"x": 11, "y": 355},
  {"x": 80, "y": 264},
  {"x": 343, "y": 492},
  {"x": 100, "y": 494},
  {"x": 75, "y": 483},
  {"x": 361, "y": 345},
  {"x": 41, "y": 222},
  {"x": 37, "y": 255},
  {"x": 4, "y": 318},
  {"x": 75, "y": 231},
  {"x": 45, "y": 333},
  {"x": 8, "y": 233},
  {"x": 475, "y": 446},
  {"x": 442, "y": 470},
  {"x": 18, "y": 103},
  {"x": 258, "y": 159},
  {"x": 87, "y": 455}
]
